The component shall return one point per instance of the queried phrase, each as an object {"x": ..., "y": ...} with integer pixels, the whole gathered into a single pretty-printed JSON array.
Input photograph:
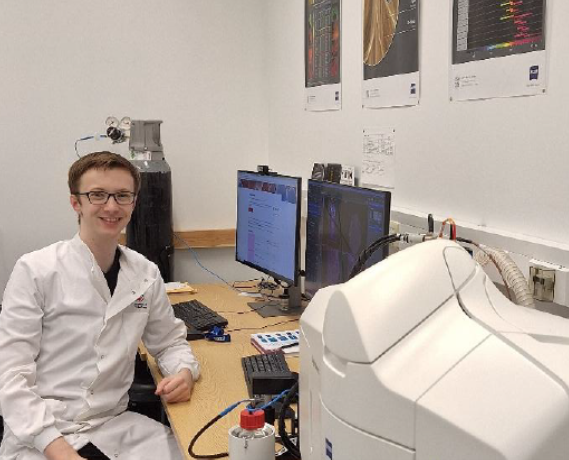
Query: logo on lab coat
[{"x": 141, "y": 302}]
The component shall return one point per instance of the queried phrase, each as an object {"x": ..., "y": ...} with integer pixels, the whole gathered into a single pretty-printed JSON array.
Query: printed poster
[
  {"x": 498, "y": 49},
  {"x": 322, "y": 38},
  {"x": 390, "y": 53}
]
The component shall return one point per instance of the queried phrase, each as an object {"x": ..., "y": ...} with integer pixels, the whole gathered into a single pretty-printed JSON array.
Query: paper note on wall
[{"x": 378, "y": 163}]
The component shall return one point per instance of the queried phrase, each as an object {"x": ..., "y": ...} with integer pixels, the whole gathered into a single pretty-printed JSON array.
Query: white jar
[{"x": 252, "y": 439}]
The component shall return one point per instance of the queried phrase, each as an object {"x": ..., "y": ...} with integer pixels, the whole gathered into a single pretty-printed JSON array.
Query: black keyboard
[
  {"x": 267, "y": 374},
  {"x": 198, "y": 316}
]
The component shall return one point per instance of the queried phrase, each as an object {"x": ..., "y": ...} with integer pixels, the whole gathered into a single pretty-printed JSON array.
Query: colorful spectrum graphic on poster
[
  {"x": 498, "y": 49},
  {"x": 322, "y": 42},
  {"x": 486, "y": 29}
]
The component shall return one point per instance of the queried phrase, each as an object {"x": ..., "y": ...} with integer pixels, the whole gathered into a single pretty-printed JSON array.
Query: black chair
[{"x": 141, "y": 394}]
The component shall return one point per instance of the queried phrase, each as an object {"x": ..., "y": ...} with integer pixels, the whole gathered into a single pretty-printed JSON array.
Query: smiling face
[{"x": 103, "y": 222}]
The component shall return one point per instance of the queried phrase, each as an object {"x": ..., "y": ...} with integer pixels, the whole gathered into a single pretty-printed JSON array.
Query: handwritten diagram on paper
[{"x": 378, "y": 163}]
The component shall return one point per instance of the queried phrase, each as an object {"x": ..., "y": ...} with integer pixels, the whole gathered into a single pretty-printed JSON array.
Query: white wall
[
  {"x": 499, "y": 163},
  {"x": 227, "y": 78},
  {"x": 65, "y": 66}
]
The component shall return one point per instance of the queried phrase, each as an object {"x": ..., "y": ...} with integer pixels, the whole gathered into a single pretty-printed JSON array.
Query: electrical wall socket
[
  {"x": 561, "y": 292},
  {"x": 393, "y": 228},
  {"x": 561, "y": 287}
]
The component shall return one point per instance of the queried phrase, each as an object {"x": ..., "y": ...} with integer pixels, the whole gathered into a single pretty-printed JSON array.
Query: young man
[{"x": 72, "y": 318}]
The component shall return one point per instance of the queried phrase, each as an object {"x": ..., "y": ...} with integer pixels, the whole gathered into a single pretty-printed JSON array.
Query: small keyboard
[
  {"x": 267, "y": 374},
  {"x": 198, "y": 316}
]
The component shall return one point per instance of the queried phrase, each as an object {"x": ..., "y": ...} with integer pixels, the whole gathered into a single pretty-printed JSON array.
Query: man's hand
[
  {"x": 177, "y": 387},
  {"x": 59, "y": 449}
]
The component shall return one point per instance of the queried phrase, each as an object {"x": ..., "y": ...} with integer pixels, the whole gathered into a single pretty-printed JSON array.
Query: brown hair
[{"x": 103, "y": 161}]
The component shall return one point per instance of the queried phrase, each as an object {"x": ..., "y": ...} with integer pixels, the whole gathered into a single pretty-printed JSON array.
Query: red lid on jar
[{"x": 252, "y": 420}]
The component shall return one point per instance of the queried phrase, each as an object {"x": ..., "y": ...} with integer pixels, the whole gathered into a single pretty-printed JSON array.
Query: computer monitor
[
  {"x": 341, "y": 222},
  {"x": 268, "y": 225}
]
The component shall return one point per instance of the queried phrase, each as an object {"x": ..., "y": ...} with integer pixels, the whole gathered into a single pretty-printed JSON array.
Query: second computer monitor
[{"x": 341, "y": 222}]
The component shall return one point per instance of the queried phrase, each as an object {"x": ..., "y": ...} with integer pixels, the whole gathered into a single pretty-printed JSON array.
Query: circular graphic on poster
[{"x": 380, "y": 22}]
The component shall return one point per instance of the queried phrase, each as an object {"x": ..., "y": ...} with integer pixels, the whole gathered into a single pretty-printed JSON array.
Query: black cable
[
  {"x": 377, "y": 244},
  {"x": 268, "y": 285},
  {"x": 256, "y": 280},
  {"x": 285, "y": 438},
  {"x": 245, "y": 312},
  {"x": 198, "y": 434},
  {"x": 370, "y": 250},
  {"x": 262, "y": 327}
]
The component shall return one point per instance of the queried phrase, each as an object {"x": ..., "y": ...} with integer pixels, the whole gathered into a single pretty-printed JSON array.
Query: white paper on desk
[
  {"x": 378, "y": 162},
  {"x": 291, "y": 350},
  {"x": 250, "y": 294},
  {"x": 174, "y": 285}
]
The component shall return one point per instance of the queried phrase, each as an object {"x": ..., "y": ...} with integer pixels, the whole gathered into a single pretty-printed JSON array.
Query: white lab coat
[{"x": 67, "y": 352}]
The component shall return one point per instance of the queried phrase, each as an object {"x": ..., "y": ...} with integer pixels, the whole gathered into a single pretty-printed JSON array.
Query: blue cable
[
  {"x": 226, "y": 411},
  {"x": 270, "y": 403},
  {"x": 194, "y": 253}
]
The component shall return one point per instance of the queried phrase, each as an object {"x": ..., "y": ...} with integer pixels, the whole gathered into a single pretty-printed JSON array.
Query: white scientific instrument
[{"x": 420, "y": 357}]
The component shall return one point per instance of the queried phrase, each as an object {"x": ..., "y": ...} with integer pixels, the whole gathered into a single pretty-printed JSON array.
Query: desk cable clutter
[
  {"x": 511, "y": 275},
  {"x": 253, "y": 438}
]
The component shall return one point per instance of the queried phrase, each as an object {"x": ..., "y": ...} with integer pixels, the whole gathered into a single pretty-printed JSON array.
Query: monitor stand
[{"x": 289, "y": 305}]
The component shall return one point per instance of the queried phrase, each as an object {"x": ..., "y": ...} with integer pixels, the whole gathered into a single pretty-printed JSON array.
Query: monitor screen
[
  {"x": 341, "y": 222},
  {"x": 268, "y": 224}
]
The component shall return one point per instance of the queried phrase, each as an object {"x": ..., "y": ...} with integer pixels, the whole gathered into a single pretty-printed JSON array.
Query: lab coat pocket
[{"x": 134, "y": 320}]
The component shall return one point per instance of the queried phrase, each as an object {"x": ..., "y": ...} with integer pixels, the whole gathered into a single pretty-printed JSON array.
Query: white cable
[
  {"x": 513, "y": 276},
  {"x": 482, "y": 258}
]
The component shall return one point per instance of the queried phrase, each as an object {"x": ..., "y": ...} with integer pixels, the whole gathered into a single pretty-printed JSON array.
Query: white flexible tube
[{"x": 513, "y": 276}]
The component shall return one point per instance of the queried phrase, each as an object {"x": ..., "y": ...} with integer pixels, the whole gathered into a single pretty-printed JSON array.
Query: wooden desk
[{"x": 221, "y": 382}]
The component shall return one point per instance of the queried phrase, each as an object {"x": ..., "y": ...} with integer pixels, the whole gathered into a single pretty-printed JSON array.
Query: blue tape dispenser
[{"x": 217, "y": 334}]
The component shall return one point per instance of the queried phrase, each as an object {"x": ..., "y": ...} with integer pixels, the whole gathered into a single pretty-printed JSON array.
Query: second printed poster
[{"x": 390, "y": 53}]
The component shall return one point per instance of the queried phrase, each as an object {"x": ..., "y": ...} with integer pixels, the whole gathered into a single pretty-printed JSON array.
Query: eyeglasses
[{"x": 102, "y": 197}]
